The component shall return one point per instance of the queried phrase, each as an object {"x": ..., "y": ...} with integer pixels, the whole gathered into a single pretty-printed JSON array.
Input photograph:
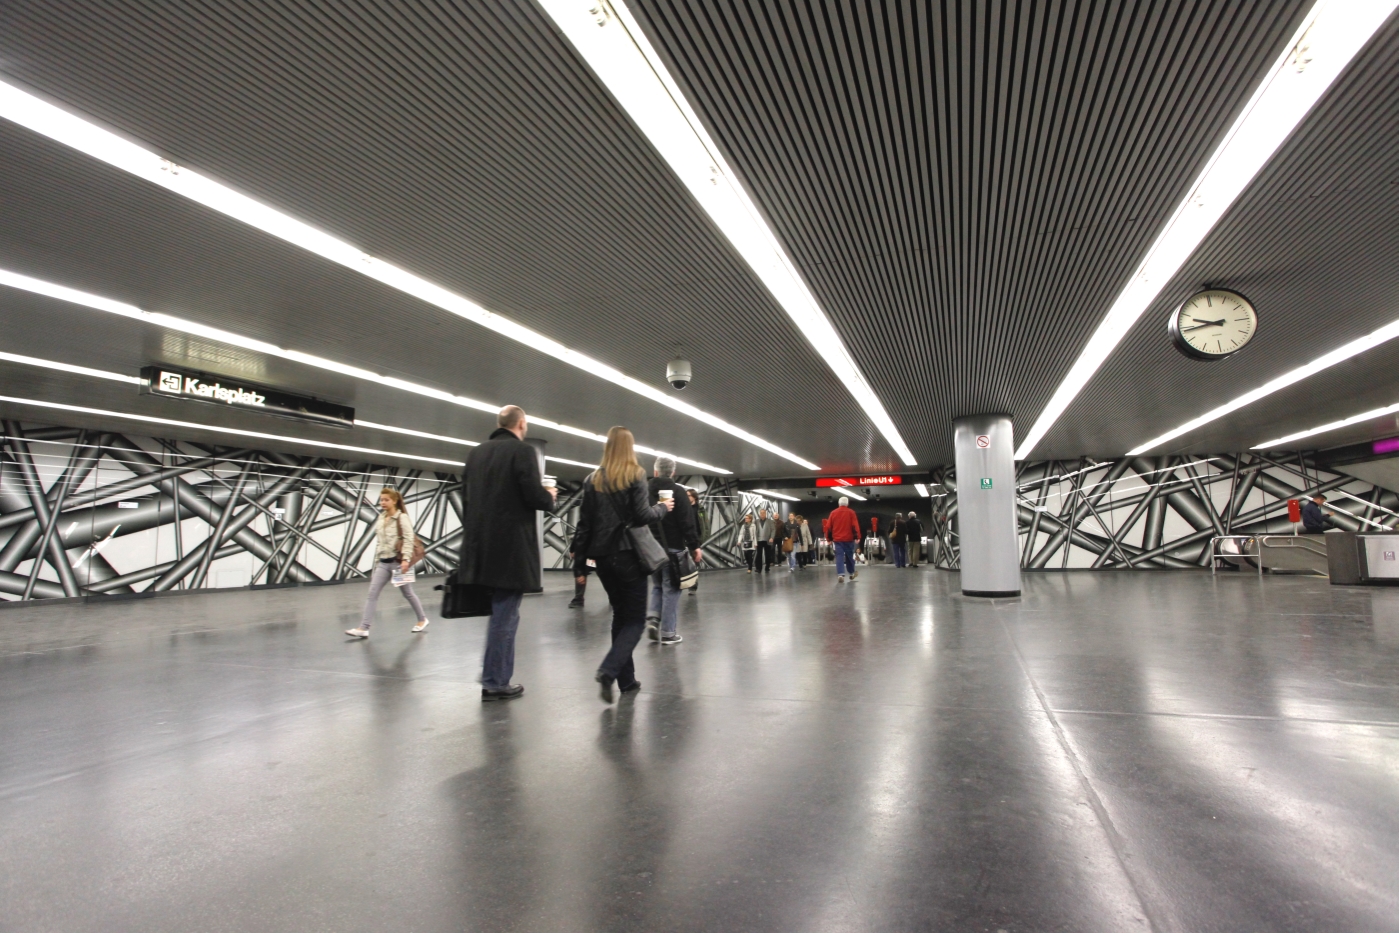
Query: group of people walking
[
  {"x": 641, "y": 537},
  {"x": 765, "y": 540}
]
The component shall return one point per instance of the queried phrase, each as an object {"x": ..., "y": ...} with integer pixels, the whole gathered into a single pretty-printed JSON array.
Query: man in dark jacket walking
[
  {"x": 500, "y": 542},
  {"x": 677, "y": 533}
]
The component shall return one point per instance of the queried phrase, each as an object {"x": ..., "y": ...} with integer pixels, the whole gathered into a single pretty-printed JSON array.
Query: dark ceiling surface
[
  {"x": 464, "y": 141},
  {"x": 965, "y": 186},
  {"x": 1314, "y": 244},
  {"x": 968, "y": 186}
]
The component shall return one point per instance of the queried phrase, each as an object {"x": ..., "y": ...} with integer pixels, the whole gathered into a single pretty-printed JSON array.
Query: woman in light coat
[{"x": 393, "y": 551}]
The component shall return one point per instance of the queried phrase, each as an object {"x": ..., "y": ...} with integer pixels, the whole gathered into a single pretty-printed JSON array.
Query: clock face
[{"x": 1213, "y": 324}]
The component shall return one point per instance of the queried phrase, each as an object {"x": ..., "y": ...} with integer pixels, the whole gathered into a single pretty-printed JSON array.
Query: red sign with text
[{"x": 831, "y": 482}]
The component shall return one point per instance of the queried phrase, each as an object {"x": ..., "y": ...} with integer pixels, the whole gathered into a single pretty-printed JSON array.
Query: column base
[{"x": 992, "y": 594}]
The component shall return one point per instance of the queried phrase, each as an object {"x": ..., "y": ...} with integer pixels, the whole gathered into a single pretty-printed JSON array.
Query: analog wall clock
[{"x": 1213, "y": 325}]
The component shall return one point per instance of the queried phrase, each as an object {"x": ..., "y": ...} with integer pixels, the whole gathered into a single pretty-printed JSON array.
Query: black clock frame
[{"x": 1181, "y": 344}]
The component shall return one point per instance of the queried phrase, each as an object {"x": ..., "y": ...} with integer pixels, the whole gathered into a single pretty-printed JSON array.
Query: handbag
[
  {"x": 419, "y": 552},
  {"x": 684, "y": 569},
  {"x": 647, "y": 550},
  {"x": 462, "y": 600},
  {"x": 786, "y": 545}
]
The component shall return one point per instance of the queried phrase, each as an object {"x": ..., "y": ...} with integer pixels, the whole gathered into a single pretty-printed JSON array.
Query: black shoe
[
  {"x": 606, "y": 680},
  {"x": 506, "y": 693},
  {"x": 635, "y": 686},
  {"x": 577, "y": 603},
  {"x": 653, "y": 631}
]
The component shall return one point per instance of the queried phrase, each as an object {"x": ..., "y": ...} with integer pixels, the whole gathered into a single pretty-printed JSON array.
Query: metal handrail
[
  {"x": 1297, "y": 541},
  {"x": 1215, "y": 554}
]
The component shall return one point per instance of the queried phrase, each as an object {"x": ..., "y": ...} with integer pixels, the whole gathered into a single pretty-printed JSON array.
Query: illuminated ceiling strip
[
  {"x": 1333, "y": 426},
  {"x": 922, "y": 490},
  {"x": 71, "y": 130},
  {"x": 1333, "y": 32},
  {"x": 218, "y": 430},
  {"x": 619, "y": 53},
  {"x": 98, "y": 303},
  {"x": 68, "y": 368},
  {"x": 455, "y": 440},
  {"x": 851, "y": 493},
  {"x": 776, "y": 495},
  {"x": 1339, "y": 355}
]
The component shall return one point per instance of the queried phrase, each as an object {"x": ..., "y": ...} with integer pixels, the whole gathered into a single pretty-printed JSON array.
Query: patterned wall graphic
[
  {"x": 1161, "y": 512},
  {"x": 86, "y": 512},
  {"x": 112, "y": 513}
]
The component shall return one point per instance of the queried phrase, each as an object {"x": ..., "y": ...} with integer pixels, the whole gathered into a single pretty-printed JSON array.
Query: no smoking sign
[{"x": 983, "y": 441}]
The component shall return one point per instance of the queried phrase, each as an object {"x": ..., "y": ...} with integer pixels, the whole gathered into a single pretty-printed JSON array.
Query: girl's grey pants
[{"x": 382, "y": 574}]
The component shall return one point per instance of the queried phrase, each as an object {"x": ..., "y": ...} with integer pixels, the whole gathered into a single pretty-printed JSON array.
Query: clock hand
[{"x": 1199, "y": 323}]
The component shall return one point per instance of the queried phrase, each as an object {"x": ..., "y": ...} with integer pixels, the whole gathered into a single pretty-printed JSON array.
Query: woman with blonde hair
[
  {"x": 616, "y": 498},
  {"x": 393, "y": 537}
]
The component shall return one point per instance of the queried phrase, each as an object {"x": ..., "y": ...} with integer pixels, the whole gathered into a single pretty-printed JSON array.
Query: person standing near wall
[
  {"x": 500, "y": 540},
  {"x": 845, "y": 534},
  {"x": 615, "y": 499},
  {"x": 748, "y": 539},
  {"x": 393, "y": 551},
  {"x": 701, "y": 522},
  {"x": 913, "y": 530}
]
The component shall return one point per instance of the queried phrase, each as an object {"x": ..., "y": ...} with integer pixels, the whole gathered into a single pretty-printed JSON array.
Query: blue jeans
[
  {"x": 665, "y": 596},
  {"x": 845, "y": 557},
  {"x": 499, "y": 665},
  {"x": 896, "y": 548}
]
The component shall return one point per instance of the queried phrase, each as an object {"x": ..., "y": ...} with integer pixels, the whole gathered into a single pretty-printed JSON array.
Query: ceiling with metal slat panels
[
  {"x": 968, "y": 186},
  {"x": 462, "y": 141},
  {"x": 1314, "y": 245},
  {"x": 965, "y": 186}
]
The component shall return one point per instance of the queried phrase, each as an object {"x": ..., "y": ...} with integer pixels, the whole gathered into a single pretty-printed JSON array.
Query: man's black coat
[{"x": 502, "y": 491}]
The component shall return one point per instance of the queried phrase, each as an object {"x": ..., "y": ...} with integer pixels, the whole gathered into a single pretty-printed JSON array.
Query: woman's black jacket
[{"x": 600, "y": 530}]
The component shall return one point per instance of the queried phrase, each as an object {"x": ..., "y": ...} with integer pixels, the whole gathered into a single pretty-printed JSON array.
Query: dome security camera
[{"x": 678, "y": 373}]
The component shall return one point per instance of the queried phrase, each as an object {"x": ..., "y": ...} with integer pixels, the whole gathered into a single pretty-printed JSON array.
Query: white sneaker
[
  {"x": 422, "y": 626},
  {"x": 357, "y": 632},
  {"x": 840, "y": 578}
]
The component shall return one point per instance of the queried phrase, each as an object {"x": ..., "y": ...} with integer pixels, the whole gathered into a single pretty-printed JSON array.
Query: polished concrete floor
[{"x": 1113, "y": 751}]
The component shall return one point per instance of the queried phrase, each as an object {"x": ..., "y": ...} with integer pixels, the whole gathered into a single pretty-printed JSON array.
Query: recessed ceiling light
[
  {"x": 1333, "y": 426},
  {"x": 852, "y": 494},
  {"x": 922, "y": 490},
  {"x": 1339, "y": 355},
  {"x": 71, "y": 130},
  {"x": 97, "y": 302},
  {"x": 775, "y": 495},
  {"x": 1331, "y": 35},
  {"x": 80, "y": 409},
  {"x": 623, "y": 59}
]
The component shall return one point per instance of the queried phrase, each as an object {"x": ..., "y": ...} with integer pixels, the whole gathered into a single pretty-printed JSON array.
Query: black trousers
[
  {"x": 628, "y": 591},
  {"x": 748, "y": 556},
  {"x": 764, "y": 556}
]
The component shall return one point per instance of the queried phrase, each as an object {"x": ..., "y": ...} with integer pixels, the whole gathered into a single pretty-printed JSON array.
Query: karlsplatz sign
[{"x": 234, "y": 393}]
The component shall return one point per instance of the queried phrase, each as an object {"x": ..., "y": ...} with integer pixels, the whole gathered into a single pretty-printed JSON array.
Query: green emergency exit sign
[{"x": 986, "y": 482}]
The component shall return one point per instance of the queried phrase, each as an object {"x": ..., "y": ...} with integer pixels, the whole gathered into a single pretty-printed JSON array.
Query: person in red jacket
[{"x": 845, "y": 532}]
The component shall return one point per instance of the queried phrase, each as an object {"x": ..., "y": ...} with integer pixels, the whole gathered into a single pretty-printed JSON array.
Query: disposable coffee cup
[
  {"x": 665, "y": 494},
  {"x": 550, "y": 482}
]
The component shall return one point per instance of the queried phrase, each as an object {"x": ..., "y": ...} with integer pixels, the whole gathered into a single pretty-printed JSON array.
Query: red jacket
[{"x": 844, "y": 525}]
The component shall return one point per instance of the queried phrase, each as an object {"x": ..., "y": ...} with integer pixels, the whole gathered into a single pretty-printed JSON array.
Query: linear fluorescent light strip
[
  {"x": 608, "y": 37},
  {"x": 776, "y": 495},
  {"x": 922, "y": 490},
  {"x": 71, "y": 130},
  {"x": 136, "y": 380},
  {"x": 450, "y": 440},
  {"x": 1333, "y": 32},
  {"x": 1339, "y": 355},
  {"x": 98, "y": 303},
  {"x": 80, "y": 409},
  {"x": 1333, "y": 426}
]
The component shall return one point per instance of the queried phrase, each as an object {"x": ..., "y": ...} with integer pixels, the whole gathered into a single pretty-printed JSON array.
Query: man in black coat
[{"x": 500, "y": 541}]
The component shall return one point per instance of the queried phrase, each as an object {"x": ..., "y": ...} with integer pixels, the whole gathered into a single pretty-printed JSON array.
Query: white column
[{"x": 990, "y": 555}]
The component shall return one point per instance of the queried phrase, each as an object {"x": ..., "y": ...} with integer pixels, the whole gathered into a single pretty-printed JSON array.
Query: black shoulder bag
[{"x": 647, "y": 550}]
